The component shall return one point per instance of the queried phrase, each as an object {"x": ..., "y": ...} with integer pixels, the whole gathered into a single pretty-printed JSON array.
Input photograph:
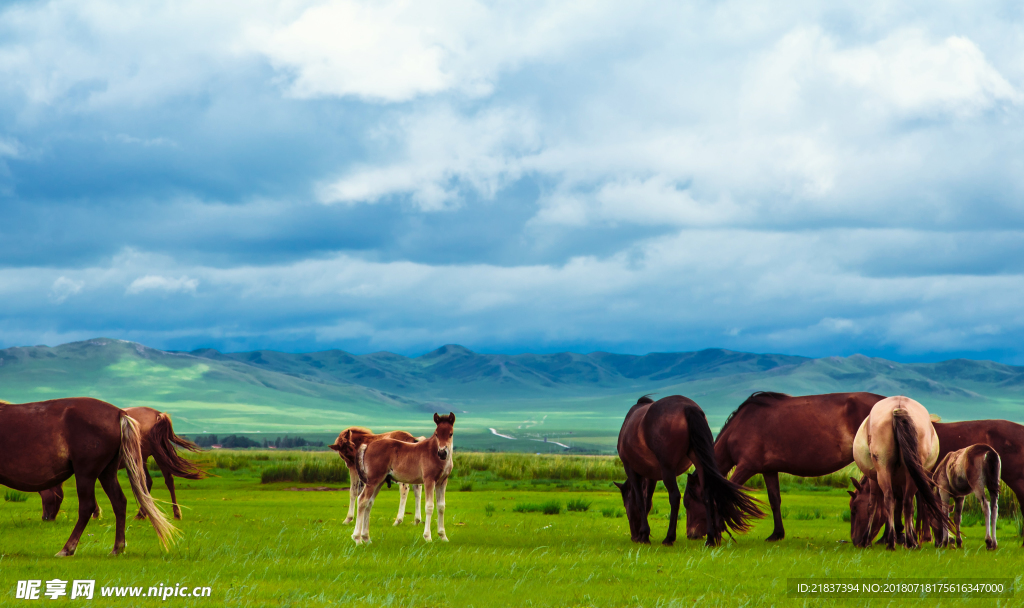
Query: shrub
[
  {"x": 577, "y": 504},
  {"x": 612, "y": 512},
  {"x": 308, "y": 471},
  {"x": 15, "y": 496},
  {"x": 551, "y": 507},
  {"x": 466, "y": 487},
  {"x": 489, "y": 509}
]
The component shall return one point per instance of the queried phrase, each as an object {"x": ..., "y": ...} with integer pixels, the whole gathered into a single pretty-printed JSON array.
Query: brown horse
[
  {"x": 971, "y": 470},
  {"x": 659, "y": 440},
  {"x": 158, "y": 441},
  {"x": 895, "y": 447},
  {"x": 428, "y": 462},
  {"x": 772, "y": 433},
  {"x": 42, "y": 444},
  {"x": 347, "y": 446}
]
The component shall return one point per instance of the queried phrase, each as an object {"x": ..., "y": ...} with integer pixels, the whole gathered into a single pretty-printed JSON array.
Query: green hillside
[{"x": 570, "y": 399}]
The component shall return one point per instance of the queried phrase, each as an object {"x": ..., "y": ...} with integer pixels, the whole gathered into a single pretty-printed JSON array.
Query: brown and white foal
[
  {"x": 969, "y": 471},
  {"x": 428, "y": 462},
  {"x": 347, "y": 446}
]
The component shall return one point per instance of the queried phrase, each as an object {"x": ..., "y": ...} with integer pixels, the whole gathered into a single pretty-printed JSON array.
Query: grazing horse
[
  {"x": 158, "y": 441},
  {"x": 347, "y": 446},
  {"x": 971, "y": 470},
  {"x": 772, "y": 433},
  {"x": 895, "y": 447},
  {"x": 42, "y": 444},
  {"x": 659, "y": 440},
  {"x": 427, "y": 462}
]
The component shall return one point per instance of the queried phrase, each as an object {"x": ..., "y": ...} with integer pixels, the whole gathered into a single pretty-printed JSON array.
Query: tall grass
[
  {"x": 14, "y": 496},
  {"x": 1008, "y": 506},
  {"x": 522, "y": 467},
  {"x": 307, "y": 471}
]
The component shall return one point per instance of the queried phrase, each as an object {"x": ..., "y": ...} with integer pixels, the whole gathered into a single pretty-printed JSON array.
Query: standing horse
[
  {"x": 659, "y": 440},
  {"x": 772, "y": 433},
  {"x": 895, "y": 447},
  {"x": 347, "y": 446},
  {"x": 158, "y": 441},
  {"x": 427, "y": 462},
  {"x": 42, "y": 444},
  {"x": 971, "y": 470}
]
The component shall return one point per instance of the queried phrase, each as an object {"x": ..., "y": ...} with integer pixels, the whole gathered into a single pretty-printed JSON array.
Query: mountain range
[{"x": 568, "y": 398}]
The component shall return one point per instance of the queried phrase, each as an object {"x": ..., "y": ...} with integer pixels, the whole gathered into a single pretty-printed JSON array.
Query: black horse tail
[
  {"x": 727, "y": 504},
  {"x": 993, "y": 471},
  {"x": 162, "y": 442},
  {"x": 905, "y": 434}
]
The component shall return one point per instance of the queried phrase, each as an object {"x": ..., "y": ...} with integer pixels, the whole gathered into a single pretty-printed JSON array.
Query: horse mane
[
  {"x": 645, "y": 399},
  {"x": 755, "y": 398}
]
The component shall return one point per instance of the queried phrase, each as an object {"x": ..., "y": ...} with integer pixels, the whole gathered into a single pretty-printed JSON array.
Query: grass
[
  {"x": 258, "y": 544},
  {"x": 14, "y": 496}
]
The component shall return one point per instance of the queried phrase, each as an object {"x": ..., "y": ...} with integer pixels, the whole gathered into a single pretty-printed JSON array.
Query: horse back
[
  {"x": 655, "y": 436},
  {"x": 42, "y": 443}
]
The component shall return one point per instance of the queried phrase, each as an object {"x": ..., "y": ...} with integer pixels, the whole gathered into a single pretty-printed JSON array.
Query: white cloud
[
  {"x": 63, "y": 288},
  {"x": 159, "y": 283}
]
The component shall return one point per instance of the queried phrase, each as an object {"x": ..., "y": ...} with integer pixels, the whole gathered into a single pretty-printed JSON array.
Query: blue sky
[{"x": 798, "y": 177}]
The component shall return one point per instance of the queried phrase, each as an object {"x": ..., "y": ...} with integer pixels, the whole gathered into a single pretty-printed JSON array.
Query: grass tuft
[{"x": 14, "y": 496}]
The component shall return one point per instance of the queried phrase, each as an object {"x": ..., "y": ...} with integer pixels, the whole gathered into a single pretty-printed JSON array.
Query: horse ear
[
  {"x": 335, "y": 447},
  {"x": 437, "y": 419},
  {"x": 451, "y": 417},
  {"x": 852, "y": 493},
  {"x": 618, "y": 485},
  {"x": 856, "y": 484}
]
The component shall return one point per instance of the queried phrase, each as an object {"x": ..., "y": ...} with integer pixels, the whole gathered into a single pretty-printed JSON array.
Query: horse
[
  {"x": 659, "y": 440},
  {"x": 895, "y": 446},
  {"x": 772, "y": 433},
  {"x": 347, "y": 446},
  {"x": 44, "y": 443},
  {"x": 970, "y": 470},
  {"x": 427, "y": 462},
  {"x": 158, "y": 441}
]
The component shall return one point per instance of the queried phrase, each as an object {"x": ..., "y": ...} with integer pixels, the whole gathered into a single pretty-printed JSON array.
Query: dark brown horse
[
  {"x": 659, "y": 440},
  {"x": 772, "y": 433},
  {"x": 158, "y": 441},
  {"x": 347, "y": 446},
  {"x": 427, "y": 462},
  {"x": 43, "y": 444}
]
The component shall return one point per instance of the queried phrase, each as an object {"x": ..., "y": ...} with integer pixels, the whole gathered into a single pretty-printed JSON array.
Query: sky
[{"x": 790, "y": 177}]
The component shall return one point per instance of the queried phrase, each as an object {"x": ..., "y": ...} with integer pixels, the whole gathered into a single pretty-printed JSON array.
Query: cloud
[
  {"x": 63, "y": 288},
  {"x": 159, "y": 283}
]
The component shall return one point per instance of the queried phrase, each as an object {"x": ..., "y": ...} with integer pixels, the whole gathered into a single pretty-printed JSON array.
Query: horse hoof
[
  {"x": 668, "y": 543},
  {"x": 426, "y": 537},
  {"x": 348, "y": 520},
  {"x": 418, "y": 521},
  {"x": 442, "y": 537},
  {"x": 774, "y": 537},
  {"x": 140, "y": 516},
  {"x": 64, "y": 553},
  {"x": 398, "y": 522}
]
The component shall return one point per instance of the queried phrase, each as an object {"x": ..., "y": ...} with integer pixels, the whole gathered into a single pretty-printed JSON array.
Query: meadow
[{"x": 525, "y": 530}]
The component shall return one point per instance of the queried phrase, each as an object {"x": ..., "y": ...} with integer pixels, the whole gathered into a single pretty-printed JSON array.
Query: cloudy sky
[{"x": 799, "y": 177}]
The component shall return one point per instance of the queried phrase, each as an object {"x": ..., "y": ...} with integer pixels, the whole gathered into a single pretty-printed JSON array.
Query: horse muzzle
[{"x": 444, "y": 453}]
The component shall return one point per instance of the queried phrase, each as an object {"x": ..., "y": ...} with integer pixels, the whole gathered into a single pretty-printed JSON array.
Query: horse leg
[
  {"x": 771, "y": 483},
  {"x": 888, "y": 506},
  {"x": 986, "y": 512},
  {"x": 958, "y": 511},
  {"x": 353, "y": 494},
  {"x": 403, "y": 493},
  {"x": 428, "y": 508},
  {"x": 169, "y": 482},
  {"x": 641, "y": 507},
  {"x": 418, "y": 490},
  {"x": 439, "y": 490},
  {"x": 118, "y": 502},
  {"x": 994, "y": 515},
  {"x": 86, "y": 487},
  {"x": 669, "y": 479}
]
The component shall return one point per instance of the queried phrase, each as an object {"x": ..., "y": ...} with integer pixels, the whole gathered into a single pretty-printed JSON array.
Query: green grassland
[{"x": 260, "y": 544}]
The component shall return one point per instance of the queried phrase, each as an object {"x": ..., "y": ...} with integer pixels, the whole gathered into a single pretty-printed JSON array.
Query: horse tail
[
  {"x": 728, "y": 504},
  {"x": 361, "y": 466},
  {"x": 162, "y": 442},
  {"x": 993, "y": 471},
  {"x": 904, "y": 433},
  {"x": 131, "y": 456}
]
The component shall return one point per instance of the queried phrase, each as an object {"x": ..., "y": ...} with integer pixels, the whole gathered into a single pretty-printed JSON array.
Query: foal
[
  {"x": 969, "y": 471},
  {"x": 347, "y": 446},
  {"x": 428, "y": 462}
]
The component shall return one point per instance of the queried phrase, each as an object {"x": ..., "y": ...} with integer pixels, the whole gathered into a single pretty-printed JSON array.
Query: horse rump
[{"x": 728, "y": 505}]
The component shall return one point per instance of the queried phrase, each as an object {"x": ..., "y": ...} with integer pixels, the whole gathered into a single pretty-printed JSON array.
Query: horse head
[
  {"x": 445, "y": 434},
  {"x": 860, "y": 514},
  {"x": 696, "y": 512}
]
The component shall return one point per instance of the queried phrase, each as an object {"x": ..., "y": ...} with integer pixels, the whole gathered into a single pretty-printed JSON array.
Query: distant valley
[{"x": 502, "y": 401}]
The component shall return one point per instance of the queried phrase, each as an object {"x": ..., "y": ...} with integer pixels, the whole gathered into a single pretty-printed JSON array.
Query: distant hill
[{"x": 572, "y": 399}]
